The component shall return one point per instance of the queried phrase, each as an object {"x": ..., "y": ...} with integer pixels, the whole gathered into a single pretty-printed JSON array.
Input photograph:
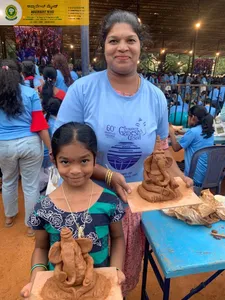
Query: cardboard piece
[
  {"x": 138, "y": 204},
  {"x": 111, "y": 273}
]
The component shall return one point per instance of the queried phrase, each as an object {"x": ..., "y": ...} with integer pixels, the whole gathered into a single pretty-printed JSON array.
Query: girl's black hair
[
  {"x": 204, "y": 119},
  {"x": 51, "y": 107},
  {"x": 10, "y": 93},
  {"x": 74, "y": 131},
  {"x": 121, "y": 16},
  {"x": 50, "y": 75},
  {"x": 60, "y": 63},
  {"x": 28, "y": 69}
]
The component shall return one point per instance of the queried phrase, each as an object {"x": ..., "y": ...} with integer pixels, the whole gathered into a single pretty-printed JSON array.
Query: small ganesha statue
[
  {"x": 74, "y": 275},
  {"x": 158, "y": 185}
]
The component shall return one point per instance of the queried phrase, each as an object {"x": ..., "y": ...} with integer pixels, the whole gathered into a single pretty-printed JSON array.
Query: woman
[
  {"x": 199, "y": 136},
  {"x": 22, "y": 127},
  {"x": 64, "y": 79},
  {"x": 49, "y": 89},
  {"x": 127, "y": 113}
]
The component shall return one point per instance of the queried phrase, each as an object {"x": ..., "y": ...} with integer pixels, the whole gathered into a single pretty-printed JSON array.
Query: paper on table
[
  {"x": 111, "y": 273},
  {"x": 138, "y": 204}
]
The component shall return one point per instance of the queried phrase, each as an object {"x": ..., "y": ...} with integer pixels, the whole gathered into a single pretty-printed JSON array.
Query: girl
[
  {"x": 199, "y": 136},
  {"x": 49, "y": 89},
  {"x": 28, "y": 71},
  {"x": 80, "y": 204},
  {"x": 51, "y": 108},
  {"x": 64, "y": 79},
  {"x": 22, "y": 129}
]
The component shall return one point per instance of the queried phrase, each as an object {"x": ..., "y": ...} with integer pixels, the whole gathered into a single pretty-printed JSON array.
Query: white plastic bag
[{"x": 53, "y": 180}]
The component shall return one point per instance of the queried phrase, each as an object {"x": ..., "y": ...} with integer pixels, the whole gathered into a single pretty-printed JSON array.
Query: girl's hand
[
  {"x": 120, "y": 186},
  {"x": 121, "y": 277},
  {"x": 189, "y": 182},
  {"x": 26, "y": 290}
]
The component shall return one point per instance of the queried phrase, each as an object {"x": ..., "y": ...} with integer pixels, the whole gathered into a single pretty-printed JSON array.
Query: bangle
[
  {"x": 108, "y": 177},
  {"x": 38, "y": 266}
]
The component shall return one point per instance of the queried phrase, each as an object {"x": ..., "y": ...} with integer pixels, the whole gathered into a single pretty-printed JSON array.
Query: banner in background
[{"x": 44, "y": 12}]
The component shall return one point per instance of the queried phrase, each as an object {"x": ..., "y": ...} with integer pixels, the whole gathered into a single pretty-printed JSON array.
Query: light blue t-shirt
[
  {"x": 126, "y": 127},
  {"x": 60, "y": 82},
  {"x": 37, "y": 82},
  {"x": 74, "y": 75},
  {"x": 191, "y": 142},
  {"x": 19, "y": 127}
]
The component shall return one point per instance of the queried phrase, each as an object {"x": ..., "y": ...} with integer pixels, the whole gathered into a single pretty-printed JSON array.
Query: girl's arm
[
  {"x": 175, "y": 145},
  {"x": 39, "y": 256},
  {"x": 117, "y": 251},
  {"x": 44, "y": 135}
]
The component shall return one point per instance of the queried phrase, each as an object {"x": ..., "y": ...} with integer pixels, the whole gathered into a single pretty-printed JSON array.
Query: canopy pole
[{"x": 85, "y": 57}]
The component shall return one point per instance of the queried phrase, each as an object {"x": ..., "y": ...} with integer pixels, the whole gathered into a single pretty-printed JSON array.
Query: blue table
[{"x": 180, "y": 250}]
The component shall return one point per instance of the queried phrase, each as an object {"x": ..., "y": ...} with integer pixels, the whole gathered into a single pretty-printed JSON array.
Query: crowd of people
[{"x": 97, "y": 131}]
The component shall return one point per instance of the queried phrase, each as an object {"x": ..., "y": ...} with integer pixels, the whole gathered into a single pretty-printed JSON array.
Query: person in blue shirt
[
  {"x": 73, "y": 73},
  {"x": 200, "y": 135},
  {"x": 126, "y": 112},
  {"x": 64, "y": 79},
  {"x": 28, "y": 71},
  {"x": 22, "y": 129}
]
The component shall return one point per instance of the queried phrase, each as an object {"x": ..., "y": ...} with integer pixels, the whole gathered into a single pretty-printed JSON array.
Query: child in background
[
  {"x": 86, "y": 208},
  {"x": 51, "y": 109},
  {"x": 28, "y": 71},
  {"x": 200, "y": 135}
]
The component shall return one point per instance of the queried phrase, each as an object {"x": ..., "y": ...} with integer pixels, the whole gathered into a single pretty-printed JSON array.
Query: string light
[
  {"x": 217, "y": 53},
  {"x": 163, "y": 51},
  {"x": 71, "y": 46},
  {"x": 95, "y": 59},
  {"x": 198, "y": 25},
  {"x": 191, "y": 51}
]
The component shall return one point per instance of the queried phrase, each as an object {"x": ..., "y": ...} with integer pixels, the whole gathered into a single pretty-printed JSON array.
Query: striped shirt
[{"x": 106, "y": 210}]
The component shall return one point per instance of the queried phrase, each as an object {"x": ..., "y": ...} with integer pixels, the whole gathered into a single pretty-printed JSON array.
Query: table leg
[
  {"x": 145, "y": 271},
  {"x": 166, "y": 289}
]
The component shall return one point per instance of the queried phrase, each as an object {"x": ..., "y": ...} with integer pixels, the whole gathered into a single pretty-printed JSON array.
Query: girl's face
[
  {"x": 75, "y": 164},
  {"x": 192, "y": 120},
  {"x": 122, "y": 49}
]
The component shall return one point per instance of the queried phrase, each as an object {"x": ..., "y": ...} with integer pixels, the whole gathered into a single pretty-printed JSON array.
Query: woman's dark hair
[
  {"x": 50, "y": 75},
  {"x": 60, "y": 63},
  {"x": 204, "y": 119},
  {"x": 10, "y": 93},
  {"x": 51, "y": 107},
  {"x": 121, "y": 16},
  {"x": 28, "y": 69},
  {"x": 74, "y": 131}
]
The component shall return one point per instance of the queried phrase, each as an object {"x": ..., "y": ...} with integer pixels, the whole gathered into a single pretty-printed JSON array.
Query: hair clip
[{"x": 5, "y": 68}]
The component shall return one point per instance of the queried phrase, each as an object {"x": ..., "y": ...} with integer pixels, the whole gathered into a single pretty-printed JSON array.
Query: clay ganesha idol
[
  {"x": 74, "y": 275},
  {"x": 158, "y": 185}
]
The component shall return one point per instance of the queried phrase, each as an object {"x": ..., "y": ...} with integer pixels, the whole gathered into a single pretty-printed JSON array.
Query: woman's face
[{"x": 122, "y": 49}]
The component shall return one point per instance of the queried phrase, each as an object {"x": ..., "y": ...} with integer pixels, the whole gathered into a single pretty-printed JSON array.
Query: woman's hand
[
  {"x": 26, "y": 290},
  {"x": 189, "y": 182},
  {"x": 120, "y": 186},
  {"x": 121, "y": 277}
]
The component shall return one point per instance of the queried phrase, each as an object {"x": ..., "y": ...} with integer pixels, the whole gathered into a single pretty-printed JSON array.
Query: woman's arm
[
  {"x": 118, "y": 181},
  {"x": 117, "y": 251},
  {"x": 39, "y": 256}
]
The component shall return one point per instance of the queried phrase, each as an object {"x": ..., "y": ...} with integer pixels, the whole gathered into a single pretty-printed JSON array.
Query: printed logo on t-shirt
[{"x": 124, "y": 155}]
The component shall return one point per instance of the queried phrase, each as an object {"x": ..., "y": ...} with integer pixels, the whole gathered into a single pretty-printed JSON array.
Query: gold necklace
[{"x": 80, "y": 229}]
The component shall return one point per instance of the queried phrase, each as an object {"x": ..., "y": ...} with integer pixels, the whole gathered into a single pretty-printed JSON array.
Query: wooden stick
[{"x": 218, "y": 235}]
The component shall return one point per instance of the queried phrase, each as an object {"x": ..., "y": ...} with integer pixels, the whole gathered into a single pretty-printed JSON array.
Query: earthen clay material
[
  {"x": 74, "y": 275},
  {"x": 158, "y": 185}
]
